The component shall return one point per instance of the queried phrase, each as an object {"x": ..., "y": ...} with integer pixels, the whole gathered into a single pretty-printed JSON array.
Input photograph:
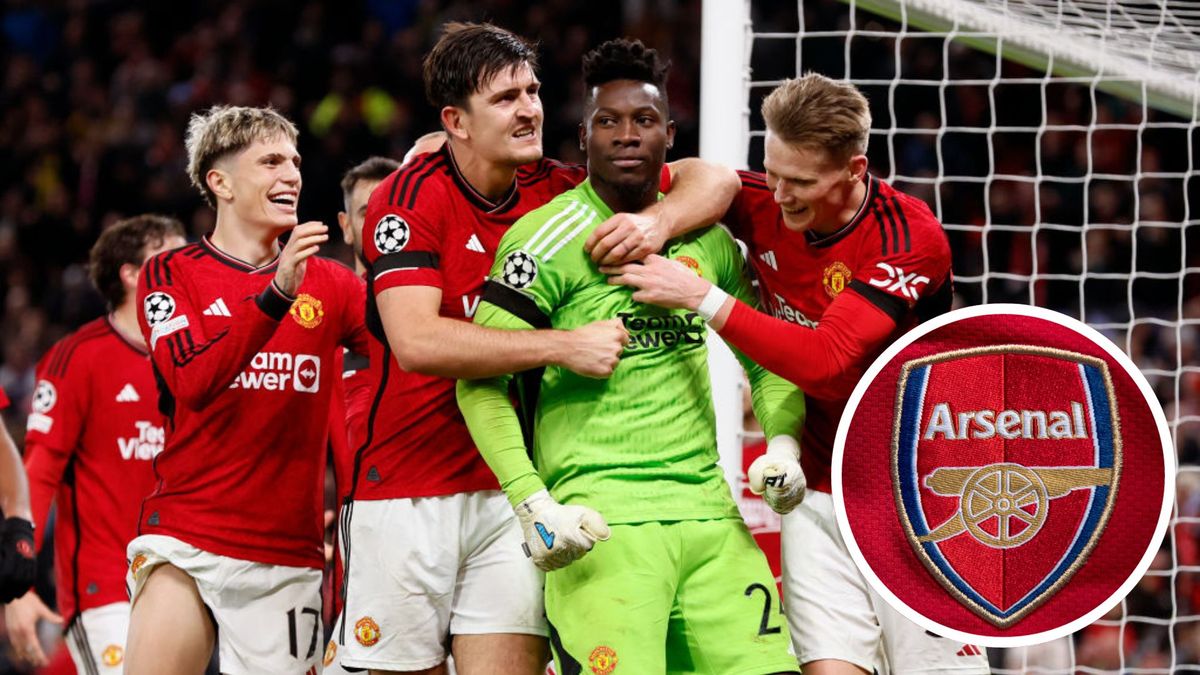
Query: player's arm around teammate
[
  {"x": 503, "y": 118},
  {"x": 637, "y": 449}
]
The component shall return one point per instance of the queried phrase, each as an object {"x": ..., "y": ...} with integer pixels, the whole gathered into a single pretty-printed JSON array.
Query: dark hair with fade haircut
[
  {"x": 125, "y": 243},
  {"x": 372, "y": 168},
  {"x": 624, "y": 59},
  {"x": 468, "y": 55}
]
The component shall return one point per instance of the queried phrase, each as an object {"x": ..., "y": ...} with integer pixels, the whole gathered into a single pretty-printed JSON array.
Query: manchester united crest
[
  {"x": 602, "y": 660},
  {"x": 835, "y": 279},
  {"x": 113, "y": 655},
  {"x": 307, "y": 311},
  {"x": 366, "y": 631},
  {"x": 136, "y": 564},
  {"x": 330, "y": 653}
]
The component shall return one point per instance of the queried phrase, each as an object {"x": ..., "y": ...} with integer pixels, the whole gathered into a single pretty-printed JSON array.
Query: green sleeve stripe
[
  {"x": 574, "y": 233},
  {"x": 532, "y": 244},
  {"x": 556, "y": 240},
  {"x": 516, "y": 303}
]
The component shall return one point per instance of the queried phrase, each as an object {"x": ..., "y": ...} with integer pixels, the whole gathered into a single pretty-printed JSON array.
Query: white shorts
[
  {"x": 96, "y": 639},
  {"x": 833, "y": 613},
  {"x": 420, "y": 570},
  {"x": 268, "y": 617}
]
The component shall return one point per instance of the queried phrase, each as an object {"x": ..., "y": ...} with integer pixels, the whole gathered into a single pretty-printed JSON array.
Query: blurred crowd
[{"x": 95, "y": 95}]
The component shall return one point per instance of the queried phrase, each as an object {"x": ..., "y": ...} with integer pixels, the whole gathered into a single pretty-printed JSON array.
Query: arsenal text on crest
[{"x": 1009, "y": 424}]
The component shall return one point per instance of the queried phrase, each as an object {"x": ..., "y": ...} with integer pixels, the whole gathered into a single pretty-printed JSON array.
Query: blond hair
[
  {"x": 225, "y": 130},
  {"x": 815, "y": 111}
]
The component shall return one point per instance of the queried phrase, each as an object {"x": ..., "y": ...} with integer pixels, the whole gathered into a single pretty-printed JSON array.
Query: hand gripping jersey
[
  {"x": 426, "y": 226},
  {"x": 245, "y": 377},
  {"x": 90, "y": 442},
  {"x": 640, "y": 445},
  {"x": 893, "y": 254}
]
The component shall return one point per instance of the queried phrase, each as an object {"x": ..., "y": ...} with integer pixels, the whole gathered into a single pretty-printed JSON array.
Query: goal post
[{"x": 1057, "y": 141}]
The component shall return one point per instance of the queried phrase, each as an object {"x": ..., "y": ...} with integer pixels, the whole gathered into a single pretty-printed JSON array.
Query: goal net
[{"x": 1057, "y": 142}]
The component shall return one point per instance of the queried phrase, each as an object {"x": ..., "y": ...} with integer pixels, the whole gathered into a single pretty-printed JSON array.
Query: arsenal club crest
[
  {"x": 1003, "y": 475},
  {"x": 993, "y": 474}
]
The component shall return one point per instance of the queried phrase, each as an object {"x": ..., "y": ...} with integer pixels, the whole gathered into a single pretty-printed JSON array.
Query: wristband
[{"x": 713, "y": 300}]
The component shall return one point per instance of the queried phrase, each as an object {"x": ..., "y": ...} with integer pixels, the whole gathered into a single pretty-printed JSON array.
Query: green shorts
[{"x": 691, "y": 596}]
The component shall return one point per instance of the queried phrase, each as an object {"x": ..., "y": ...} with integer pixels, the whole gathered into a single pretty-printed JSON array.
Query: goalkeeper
[{"x": 679, "y": 585}]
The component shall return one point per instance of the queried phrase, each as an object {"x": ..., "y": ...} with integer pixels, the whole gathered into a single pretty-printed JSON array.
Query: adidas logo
[
  {"x": 218, "y": 308},
  {"x": 769, "y": 258},
  {"x": 474, "y": 245},
  {"x": 969, "y": 650},
  {"x": 128, "y": 394}
]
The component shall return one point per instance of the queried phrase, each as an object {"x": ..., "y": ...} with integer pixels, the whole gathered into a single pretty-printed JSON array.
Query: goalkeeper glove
[
  {"x": 558, "y": 535},
  {"x": 18, "y": 560},
  {"x": 777, "y": 475}
]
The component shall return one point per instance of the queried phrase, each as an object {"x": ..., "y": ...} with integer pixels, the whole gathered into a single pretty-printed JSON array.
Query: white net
[{"x": 1057, "y": 141}]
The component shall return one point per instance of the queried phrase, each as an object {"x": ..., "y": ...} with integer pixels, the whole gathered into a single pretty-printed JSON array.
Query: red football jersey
[
  {"x": 3, "y": 400},
  {"x": 893, "y": 253},
  {"x": 90, "y": 443},
  {"x": 426, "y": 226},
  {"x": 246, "y": 378}
]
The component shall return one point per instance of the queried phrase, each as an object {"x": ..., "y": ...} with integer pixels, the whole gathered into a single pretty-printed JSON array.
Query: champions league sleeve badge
[{"x": 1003, "y": 475}]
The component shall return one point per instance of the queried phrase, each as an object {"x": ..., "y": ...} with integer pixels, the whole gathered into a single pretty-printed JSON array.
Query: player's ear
[
  {"x": 857, "y": 167},
  {"x": 129, "y": 276},
  {"x": 454, "y": 123},
  {"x": 218, "y": 182},
  {"x": 583, "y": 137},
  {"x": 670, "y": 134},
  {"x": 344, "y": 223}
]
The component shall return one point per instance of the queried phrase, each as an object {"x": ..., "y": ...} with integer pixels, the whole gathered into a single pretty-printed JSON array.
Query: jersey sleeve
[
  {"x": 53, "y": 429},
  {"x": 778, "y": 404},
  {"x": 195, "y": 365},
  {"x": 823, "y": 361},
  {"x": 752, "y": 200},
  {"x": 60, "y": 400},
  {"x": 533, "y": 270},
  {"x": 355, "y": 336},
  {"x": 528, "y": 281},
  {"x": 910, "y": 261},
  {"x": 401, "y": 238}
]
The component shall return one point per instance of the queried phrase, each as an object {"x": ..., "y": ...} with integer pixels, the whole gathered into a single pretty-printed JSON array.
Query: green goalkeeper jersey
[{"x": 640, "y": 445}]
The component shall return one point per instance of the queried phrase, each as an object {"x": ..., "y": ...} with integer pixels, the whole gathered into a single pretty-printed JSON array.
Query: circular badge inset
[{"x": 1003, "y": 475}]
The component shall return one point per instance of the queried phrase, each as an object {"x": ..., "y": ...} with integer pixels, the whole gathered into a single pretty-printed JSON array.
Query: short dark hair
[
  {"x": 466, "y": 56},
  {"x": 125, "y": 243},
  {"x": 373, "y": 168},
  {"x": 624, "y": 59}
]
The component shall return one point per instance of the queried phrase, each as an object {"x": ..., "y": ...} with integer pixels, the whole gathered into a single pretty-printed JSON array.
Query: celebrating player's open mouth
[{"x": 285, "y": 200}]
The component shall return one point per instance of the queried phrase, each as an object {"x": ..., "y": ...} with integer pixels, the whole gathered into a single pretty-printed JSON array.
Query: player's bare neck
[
  {"x": 125, "y": 320},
  {"x": 490, "y": 179},
  {"x": 252, "y": 245},
  {"x": 625, "y": 198}
]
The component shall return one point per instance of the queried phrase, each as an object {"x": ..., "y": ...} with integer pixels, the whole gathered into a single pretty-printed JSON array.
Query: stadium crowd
[{"x": 95, "y": 97}]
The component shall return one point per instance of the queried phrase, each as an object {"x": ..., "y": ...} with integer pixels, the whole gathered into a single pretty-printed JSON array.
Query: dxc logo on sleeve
[{"x": 898, "y": 280}]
